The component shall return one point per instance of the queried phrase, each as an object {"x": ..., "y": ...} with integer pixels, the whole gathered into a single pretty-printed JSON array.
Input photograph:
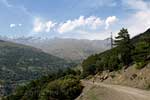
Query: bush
[
  {"x": 67, "y": 88},
  {"x": 64, "y": 85},
  {"x": 140, "y": 65}
]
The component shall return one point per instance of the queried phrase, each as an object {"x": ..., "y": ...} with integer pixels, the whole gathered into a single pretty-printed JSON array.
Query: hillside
[
  {"x": 131, "y": 76},
  {"x": 137, "y": 51},
  {"x": 70, "y": 49},
  {"x": 19, "y": 63},
  {"x": 110, "y": 68},
  {"x": 140, "y": 37},
  {"x": 64, "y": 85}
]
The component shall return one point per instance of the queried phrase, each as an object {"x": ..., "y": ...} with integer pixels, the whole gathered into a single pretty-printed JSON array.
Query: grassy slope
[{"x": 20, "y": 64}]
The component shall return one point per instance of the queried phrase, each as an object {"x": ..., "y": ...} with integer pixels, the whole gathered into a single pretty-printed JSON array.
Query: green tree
[
  {"x": 124, "y": 46},
  {"x": 65, "y": 88},
  {"x": 89, "y": 66}
]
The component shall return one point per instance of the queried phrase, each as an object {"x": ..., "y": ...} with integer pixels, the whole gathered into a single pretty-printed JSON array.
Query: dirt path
[{"x": 100, "y": 91}]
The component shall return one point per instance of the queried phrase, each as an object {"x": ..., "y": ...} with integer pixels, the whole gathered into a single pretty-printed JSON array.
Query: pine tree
[{"x": 124, "y": 46}]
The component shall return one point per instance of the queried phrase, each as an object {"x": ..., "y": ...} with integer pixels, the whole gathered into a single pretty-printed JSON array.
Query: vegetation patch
[
  {"x": 125, "y": 53},
  {"x": 64, "y": 85}
]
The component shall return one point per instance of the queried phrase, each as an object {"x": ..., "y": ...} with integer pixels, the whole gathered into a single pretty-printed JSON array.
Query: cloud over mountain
[{"x": 42, "y": 26}]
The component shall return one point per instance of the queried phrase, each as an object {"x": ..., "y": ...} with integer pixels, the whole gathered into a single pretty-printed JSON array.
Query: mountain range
[{"x": 66, "y": 48}]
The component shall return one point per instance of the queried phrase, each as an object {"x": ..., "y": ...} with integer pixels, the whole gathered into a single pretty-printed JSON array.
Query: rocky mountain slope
[
  {"x": 131, "y": 76},
  {"x": 70, "y": 49}
]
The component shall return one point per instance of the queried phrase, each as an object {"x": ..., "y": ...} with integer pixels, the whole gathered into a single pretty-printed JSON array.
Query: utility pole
[{"x": 111, "y": 40}]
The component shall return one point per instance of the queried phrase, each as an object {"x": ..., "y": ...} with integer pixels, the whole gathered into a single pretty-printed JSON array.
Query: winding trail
[{"x": 101, "y": 91}]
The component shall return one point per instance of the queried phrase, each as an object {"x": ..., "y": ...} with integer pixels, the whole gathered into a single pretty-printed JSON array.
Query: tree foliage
[
  {"x": 64, "y": 85},
  {"x": 20, "y": 63},
  {"x": 124, "y": 46},
  {"x": 127, "y": 51}
]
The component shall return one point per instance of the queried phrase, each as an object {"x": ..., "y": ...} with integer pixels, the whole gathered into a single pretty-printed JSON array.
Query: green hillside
[
  {"x": 20, "y": 63},
  {"x": 64, "y": 85},
  {"x": 127, "y": 51}
]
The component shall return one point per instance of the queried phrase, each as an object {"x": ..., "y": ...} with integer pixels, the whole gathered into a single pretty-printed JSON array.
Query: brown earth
[
  {"x": 122, "y": 80},
  {"x": 101, "y": 91},
  {"x": 133, "y": 77}
]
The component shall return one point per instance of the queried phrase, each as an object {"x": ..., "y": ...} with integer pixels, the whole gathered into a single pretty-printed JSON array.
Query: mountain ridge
[
  {"x": 20, "y": 63},
  {"x": 67, "y": 48}
]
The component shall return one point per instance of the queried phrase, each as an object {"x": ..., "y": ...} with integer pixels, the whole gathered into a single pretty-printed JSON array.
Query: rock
[
  {"x": 133, "y": 76},
  {"x": 106, "y": 76}
]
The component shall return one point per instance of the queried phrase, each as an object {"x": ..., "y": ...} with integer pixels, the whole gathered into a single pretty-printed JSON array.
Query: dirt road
[{"x": 100, "y": 91}]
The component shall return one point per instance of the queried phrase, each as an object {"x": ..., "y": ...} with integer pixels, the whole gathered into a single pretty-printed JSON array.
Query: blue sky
[{"x": 81, "y": 19}]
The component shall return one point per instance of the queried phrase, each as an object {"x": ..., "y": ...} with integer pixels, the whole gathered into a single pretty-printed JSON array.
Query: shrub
[
  {"x": 140, "y": 65},
  {"x": 67, "y": 88}
]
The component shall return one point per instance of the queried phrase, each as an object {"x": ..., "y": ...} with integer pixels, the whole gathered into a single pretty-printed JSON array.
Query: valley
[
  {"x": 74, "y": 49},
  {"x": 20, "y": 64}
]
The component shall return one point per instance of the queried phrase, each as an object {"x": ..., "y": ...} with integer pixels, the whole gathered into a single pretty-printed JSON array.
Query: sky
[{"x": 79, "y": 19}]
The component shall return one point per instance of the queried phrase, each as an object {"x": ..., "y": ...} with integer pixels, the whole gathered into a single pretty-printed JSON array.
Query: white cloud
[
  {"x": 139, "y": 21},
  {"x": 19, "y": 24},
  {"x": 12, "y": 25},
  {"x": 42, "y": 26},
  {"x": 49, "y": 25},
  {"x": 38, "y": 25},
  {"x": 83, "y": 27},
  {"x": 91, "y": 22},
  {"x": 87, "y": 28},
  {"x": 110, "y": 20},
  {"x": 15, "y": 25}
]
